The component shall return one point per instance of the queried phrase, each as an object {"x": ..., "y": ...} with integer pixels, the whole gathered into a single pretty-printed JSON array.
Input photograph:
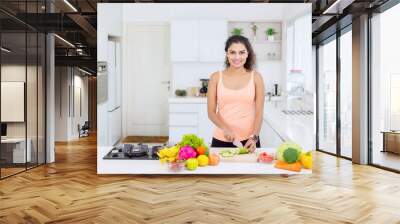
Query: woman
[{"x": 235, "y": 97}]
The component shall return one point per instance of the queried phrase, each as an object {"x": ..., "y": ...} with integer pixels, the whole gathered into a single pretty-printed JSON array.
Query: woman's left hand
[{"x": 251, "y": 145}]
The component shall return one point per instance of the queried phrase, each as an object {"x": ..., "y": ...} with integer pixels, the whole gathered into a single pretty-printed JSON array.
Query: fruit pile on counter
[
  {"x": 291, "y": 156},
  {"x": 191, "y": 152}
]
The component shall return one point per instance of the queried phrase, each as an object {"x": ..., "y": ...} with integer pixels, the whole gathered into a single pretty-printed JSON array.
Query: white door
[{"x": 147, "y": 74}]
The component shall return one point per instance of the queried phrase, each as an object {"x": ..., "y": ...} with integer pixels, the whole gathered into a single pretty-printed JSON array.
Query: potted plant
[
  {"x": 237, "y": 31},
  {"x": 270, "y": 34}
]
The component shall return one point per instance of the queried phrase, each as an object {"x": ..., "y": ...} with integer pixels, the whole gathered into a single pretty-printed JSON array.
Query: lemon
[{"x": 203, "y": 160}]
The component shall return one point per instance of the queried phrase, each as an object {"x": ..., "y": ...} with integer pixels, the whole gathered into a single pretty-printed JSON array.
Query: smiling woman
[{"x": 236, "y": 97}]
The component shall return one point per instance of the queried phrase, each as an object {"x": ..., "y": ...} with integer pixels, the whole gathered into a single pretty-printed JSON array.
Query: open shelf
[{"x": 265, "y": 49}]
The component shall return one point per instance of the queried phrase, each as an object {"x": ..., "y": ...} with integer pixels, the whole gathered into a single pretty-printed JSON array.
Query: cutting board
[{"x": 242, "y": 158}]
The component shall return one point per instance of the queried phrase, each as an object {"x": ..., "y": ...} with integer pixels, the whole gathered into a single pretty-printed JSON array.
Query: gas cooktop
[{"x": 137, "y": 151}]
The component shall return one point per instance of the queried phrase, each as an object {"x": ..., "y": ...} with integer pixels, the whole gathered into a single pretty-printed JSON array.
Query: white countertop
[
  {"x": 155, "y": 167},
  {"x": 188, "y": 99}
]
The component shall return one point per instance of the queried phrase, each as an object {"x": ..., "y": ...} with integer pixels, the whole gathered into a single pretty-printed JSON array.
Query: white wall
[
  {"x": 299, "y": 50},
  {"x": 65, "y": 119},
  {"x": 189, "y": 74},
  {"x": 109, "y": 23},
  {"x": 33, "y": 127},
  {"x": 61, "y": 114},
  {"x": 81, "y": 81},
  {"x": 17, "y": 73}
]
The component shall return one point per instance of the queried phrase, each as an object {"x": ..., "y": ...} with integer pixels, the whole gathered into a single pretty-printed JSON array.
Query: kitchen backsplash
[{"x": 188, "y": 74}]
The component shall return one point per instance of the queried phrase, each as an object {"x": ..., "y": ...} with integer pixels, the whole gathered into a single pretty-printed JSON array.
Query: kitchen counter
[
  {"x": 155, "y": 167},
  {"x": 187, "y": 99}
]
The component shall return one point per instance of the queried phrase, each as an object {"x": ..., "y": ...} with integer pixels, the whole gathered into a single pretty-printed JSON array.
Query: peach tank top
[{"x": 237, "y": 109}]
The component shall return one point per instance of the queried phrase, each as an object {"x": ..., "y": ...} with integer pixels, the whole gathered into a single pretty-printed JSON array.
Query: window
[
  {"x": 327, "y": 97},
  {"x": 346, "y": 94},
  {"x": 385, "y": 89},
  {"x": 22, "y": 66}
]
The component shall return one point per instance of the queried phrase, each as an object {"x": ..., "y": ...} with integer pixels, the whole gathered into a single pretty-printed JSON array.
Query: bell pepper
[{"x": 306, "y": 160}]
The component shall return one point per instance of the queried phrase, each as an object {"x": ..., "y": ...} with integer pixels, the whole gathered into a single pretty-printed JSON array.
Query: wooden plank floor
[{"x": 70, "y": 191}]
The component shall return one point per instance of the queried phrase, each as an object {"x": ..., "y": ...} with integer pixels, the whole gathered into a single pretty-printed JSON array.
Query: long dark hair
[{"x": 251, "y": 58}]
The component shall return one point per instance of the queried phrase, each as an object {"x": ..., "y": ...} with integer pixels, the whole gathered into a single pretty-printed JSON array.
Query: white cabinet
[
  {"x": 114, "y": 125},
  {"x": 184, "y": 40},
  {"x": 114, "y": 111},
  {"x": 183, "y": 119},
  {"x": 189, "y": 118},
  {"x": 212, "y": 37},
  {"x": 198, "y": 40}
]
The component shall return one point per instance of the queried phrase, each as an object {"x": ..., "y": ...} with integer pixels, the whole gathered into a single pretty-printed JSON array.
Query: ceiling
[{"x": 76, "y": 22}]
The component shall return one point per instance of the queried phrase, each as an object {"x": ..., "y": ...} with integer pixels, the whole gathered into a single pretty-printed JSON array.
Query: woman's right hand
[{"x": 229, "y": 135}]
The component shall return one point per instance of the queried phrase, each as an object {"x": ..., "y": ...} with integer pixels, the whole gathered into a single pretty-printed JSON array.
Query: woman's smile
[
  {"x": 237, "y": 54},
  {"x": 237, "y": 62}
]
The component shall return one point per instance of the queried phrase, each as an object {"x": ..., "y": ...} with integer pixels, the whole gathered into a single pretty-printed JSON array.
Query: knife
[{"x": 237, "y": 143}]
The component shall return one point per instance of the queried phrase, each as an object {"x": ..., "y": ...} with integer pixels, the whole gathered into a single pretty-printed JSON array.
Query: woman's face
[{"x": 237, "y": 55}]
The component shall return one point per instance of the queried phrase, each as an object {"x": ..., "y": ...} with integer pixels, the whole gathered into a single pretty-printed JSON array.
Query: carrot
[{"x": 288, "y": 166}]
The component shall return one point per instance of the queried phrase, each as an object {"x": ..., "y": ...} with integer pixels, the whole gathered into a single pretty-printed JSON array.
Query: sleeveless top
[{"x": 237, "y": 109}]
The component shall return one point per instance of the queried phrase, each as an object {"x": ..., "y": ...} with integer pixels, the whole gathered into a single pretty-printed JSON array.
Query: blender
[{"x": 204, "y": 87}]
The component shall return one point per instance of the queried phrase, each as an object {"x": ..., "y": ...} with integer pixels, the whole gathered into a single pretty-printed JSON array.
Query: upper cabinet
[
  {"x": 212, "y": 37},
  {"x": 198, "y": 40},
  {"x": 184, "y": 40}
]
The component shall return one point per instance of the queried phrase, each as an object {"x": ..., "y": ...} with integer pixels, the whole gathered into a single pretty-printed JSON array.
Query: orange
[
  {"x": 213, "y": 159},
  {"x": 201, "y": 150}
]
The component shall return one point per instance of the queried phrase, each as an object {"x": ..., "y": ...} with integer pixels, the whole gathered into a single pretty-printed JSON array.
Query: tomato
[{"x": 265, "y": 158}]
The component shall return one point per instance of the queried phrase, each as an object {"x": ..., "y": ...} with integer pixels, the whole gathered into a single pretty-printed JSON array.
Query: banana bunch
[{"x": 168, "y": 154}]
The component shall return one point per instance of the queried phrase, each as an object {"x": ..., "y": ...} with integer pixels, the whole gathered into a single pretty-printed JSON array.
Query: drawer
[
  {"x": 183, "y": 119},
  {"x": 184, "y": 107}
]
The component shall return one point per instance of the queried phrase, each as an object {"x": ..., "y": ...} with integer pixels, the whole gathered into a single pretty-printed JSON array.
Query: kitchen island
[{"x": 107, "y": 166}]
